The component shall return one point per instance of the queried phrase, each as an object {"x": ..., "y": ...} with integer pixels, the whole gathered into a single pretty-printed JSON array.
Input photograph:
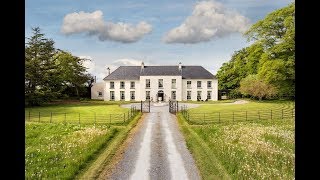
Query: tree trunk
[{"x": 77, "y": 91}]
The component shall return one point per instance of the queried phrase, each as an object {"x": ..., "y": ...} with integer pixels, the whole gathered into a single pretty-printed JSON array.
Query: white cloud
[
  {"x": 93, "y": 24},
  {"x": 209, "y": 20}
]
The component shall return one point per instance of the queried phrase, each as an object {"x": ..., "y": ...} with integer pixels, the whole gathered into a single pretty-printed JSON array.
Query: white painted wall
[
  {"x": 166, "y": 87},
  {"x": 96, "y": 88},
  {"x": 181, "y": 88},
  {"x": 117, "y": 90},
  {"x": 203, "y": 89}
]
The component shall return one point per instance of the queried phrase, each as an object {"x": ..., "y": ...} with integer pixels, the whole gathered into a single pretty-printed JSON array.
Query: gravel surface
[{"x": 157, "y": 150}]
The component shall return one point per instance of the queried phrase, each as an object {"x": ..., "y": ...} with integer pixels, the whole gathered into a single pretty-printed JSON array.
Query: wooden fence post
[{"x": 51, "y": 117}]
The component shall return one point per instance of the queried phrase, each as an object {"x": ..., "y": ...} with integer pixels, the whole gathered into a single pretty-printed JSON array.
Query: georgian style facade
[{"x": 160, "y": 83}]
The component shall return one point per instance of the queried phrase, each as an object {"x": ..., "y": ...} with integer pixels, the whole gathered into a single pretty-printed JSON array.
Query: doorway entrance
[{"x": 160, "y": 96}]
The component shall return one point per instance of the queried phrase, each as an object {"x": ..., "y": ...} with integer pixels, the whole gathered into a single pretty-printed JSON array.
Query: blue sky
[{"x": 162, "y": 32}]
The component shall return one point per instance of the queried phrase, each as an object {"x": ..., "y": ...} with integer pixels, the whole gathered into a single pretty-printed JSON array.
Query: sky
[{"x": 166, "y": 32}]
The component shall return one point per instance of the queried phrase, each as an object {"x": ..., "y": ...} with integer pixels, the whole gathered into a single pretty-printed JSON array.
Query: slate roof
[{"x": 134, "y": 72}]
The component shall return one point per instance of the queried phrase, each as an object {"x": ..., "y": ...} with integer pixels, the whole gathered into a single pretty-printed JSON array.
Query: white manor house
[{"x": 157, "y": 83}]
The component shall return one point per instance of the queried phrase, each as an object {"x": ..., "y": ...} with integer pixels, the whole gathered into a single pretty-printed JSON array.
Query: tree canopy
[
  {"x": 49, "y": 72},
  {"x": 271, "y": 56}
]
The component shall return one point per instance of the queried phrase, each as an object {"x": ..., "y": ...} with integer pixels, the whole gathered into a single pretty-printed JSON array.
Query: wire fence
[
  {"x": 84, "y": 118},
  {"x": 236, "y": 116}
]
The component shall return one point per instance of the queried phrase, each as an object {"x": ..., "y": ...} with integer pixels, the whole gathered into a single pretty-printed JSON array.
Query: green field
[
  {"x": 89, "y": 112},
  {"x": 243, "y": 150},
  {"x": 228, "y": 112},
  {"x": 66, "y": 150}
]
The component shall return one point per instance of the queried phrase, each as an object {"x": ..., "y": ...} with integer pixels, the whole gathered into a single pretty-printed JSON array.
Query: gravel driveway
[{"x": 157, "y": 150}]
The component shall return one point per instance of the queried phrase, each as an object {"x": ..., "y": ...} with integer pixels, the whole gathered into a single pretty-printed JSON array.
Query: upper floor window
[
  {"x": 209, "y": 84},
  {"x": 147, "y": 83},
  {"x": 132, "y": 85},
  {"x": 173, "y": 83},
  {"x": 122, "y": 85},
  {"x": 111, "y": 85},
  {"x": 160, "y": 83},
  {"x": 198, "y": 84},
  {"x": 189, "y": 84}
]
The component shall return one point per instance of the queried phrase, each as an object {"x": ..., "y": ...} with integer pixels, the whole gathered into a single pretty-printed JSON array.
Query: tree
[
  {"x": 39, "y": 68},
  {"x": 276, "y": 32},
  {"x": 73, "y": 73},
  {"x": 254, "y": 86}
]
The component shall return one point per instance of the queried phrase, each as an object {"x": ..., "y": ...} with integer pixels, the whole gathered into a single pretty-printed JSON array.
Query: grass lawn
[
  {"x": 64, "y": 151},
  {"x": 59, "y": 151},
  {"x": 243, "y": 150},
  {"x": 254, "y": 110},
  {"x": 209, "y": 102},
  {"x": 87, "y": 111}
]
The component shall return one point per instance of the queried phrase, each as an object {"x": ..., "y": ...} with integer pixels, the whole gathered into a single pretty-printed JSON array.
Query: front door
[{"x": 160, "y": 96}]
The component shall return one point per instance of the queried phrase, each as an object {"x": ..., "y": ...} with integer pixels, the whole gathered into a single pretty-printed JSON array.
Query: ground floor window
[
  {"x": 99, "y": 93},
  {"x": 112, "y": 95},
  {"x": 132, "y": 96},
  {"x": 188, "y": 95},
  {"x": 122, "y": 97},
  {"x": 209, "y": 94},
  {"x": 147, "y": 95},
  {"x": 173, "y": 95},
  {"x": 198, "y": 95}
]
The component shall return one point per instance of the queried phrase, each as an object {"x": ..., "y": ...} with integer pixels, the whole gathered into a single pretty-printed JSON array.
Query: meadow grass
[
  {"x": 65, "y": 150},
  {"x": 243, "y": 150},
  {"x": 59, "y": 151}
]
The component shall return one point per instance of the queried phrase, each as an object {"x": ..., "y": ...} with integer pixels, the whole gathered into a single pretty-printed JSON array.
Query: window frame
[
  {"x": 148, "y": 87},
  {"x": 132, "y": 83},
  {"x": 174, "y": 94},
  {"x": 199, "y": 95},
  {"x": 124, "y": 96},
  {"x": 112, "y": 96},
  {"x": 189, "y": 87},
  {"x": 209, "y": 87},
  {"x": 160, "y": 80},
  {"x": 199, "y": 82},
  {"x": 174, "y": 84},
  {"x": 189, "y": 95},
  {"x": 124, "y": 84},
  {"x": 134, "y": 95},
  {"x": 111, "y": 87}
]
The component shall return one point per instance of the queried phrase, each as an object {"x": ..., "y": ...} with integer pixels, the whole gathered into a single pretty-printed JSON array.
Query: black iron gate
[
  {"x": 173, "y": 107},
  {"x": 145, "y": 106}
]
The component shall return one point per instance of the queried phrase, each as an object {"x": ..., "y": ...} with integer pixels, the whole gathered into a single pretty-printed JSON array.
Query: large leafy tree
[
  {"x": 73, "y": 72},
  {"x": 39, "y": 69},
  {"x": 271, "y": 56},
  {"x": 49, "y": 72}
]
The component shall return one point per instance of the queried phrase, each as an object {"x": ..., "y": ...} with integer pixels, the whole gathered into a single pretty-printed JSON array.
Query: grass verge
[{"x": 104, "y": 158}]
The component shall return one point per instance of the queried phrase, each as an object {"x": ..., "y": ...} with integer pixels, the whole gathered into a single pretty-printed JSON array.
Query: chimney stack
[
  {"x": 108, "y": 70},
  {"x": 142, "y": 65},
  {"x": 180, "y": 66}
]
